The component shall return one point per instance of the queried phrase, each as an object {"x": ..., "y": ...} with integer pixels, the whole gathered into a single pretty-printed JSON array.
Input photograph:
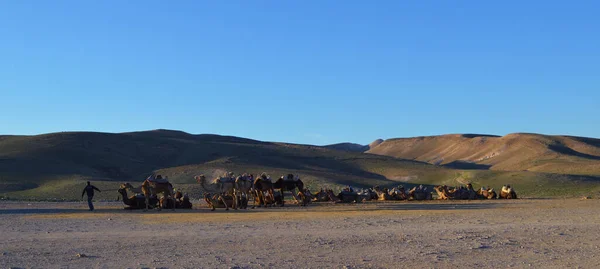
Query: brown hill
[
  {"x": 28, "y": 162},
  {"x": 513, "y": 152}
]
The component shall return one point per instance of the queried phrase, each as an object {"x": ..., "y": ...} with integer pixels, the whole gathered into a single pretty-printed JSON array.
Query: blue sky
[{"x": 314, "y": 72}]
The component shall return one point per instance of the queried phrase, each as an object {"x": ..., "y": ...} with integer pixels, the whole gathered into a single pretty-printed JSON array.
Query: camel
[
  {"x": 368, "y": 194},
  {"x": 419, "y": 194},
  {"x": 218, "y": 200},
  {"x": 181, "y": 201},
  {"x": 471, "y": 192},
  {"x": 166, "y": 203},
  {"x": 289, "y": 183},
  {"x": 487, "y": 193},
  {"x": 132, "y": 189},
  {"x": 307, "y": 195},
  {"x": 325, "y": 195},
  {"x": 262, "y": 185},
  {"x": 321, "y": 196},
  {"x": 382, "y": 194},
  {"x": 135, "y": 201},
  {"x": 365, "y": 194},
  {"x": 372, "y": 193},
  {"x": 442, "y": 192},
  {"x": 225, "y": 184},
  {"x": 277, "y": 199},
  {"x": 445, "y": 193},
  {"x": 155, "y": 185},
  {"x": 459, "y": 193},
  {"x": 508, "y": 192},
  {"x": 398, "y": 193},
  {"x": 348, "y": 196},
  {"x": 304, "y": 198},
  {"x": 243, "y": 189},
  {"x": 332, "y": 197}
]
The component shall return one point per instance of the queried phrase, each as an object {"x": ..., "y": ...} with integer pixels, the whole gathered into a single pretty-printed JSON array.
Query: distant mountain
[
  {"x": 354, "y": 147},
  {"x": 348, "y": 147},
  {"x": 513, "y": 152}
]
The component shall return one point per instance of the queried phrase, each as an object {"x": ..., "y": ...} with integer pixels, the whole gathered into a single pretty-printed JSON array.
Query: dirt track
[{"x": 519, "y": 233}]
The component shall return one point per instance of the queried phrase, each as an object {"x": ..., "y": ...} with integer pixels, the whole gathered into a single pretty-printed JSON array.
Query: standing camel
[
  {"x": 261, "y": 185},
  {"x": 243, "y": 190},
  {"x": 156, "y": 185},
  {"x": 290, "y": 183}
]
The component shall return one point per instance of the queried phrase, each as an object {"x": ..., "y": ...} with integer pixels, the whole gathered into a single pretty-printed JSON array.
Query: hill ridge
[{"x": 512, "y": 152}]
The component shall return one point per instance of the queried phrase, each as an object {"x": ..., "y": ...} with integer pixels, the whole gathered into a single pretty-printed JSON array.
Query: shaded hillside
[
  {"x": 28, "y": 162},
  {"x": 513, "y": 152}
]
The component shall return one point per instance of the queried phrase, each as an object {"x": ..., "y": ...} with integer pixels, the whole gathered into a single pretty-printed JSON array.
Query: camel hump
[
  {"x": 226, "y": 179},
  {"x": 263, "y": 180},
  {"x": 247, "y": 179},
  {"x": 291, "y": 177},
  {"x": 159, "y": 180}
]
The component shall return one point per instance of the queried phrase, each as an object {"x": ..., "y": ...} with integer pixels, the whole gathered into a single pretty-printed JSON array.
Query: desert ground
[{"x": 525, "y": 233}]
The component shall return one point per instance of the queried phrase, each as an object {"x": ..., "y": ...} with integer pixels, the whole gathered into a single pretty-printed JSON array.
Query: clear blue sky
[{"x": 313, "y": 72}]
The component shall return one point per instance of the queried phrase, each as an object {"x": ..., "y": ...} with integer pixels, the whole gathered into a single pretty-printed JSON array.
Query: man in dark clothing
[{"x": 89, "y": 189}]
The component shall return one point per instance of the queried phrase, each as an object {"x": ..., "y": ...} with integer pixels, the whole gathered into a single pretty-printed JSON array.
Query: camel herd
[
  {"x": 235, "y": 192},
  {"x": 230, "y": 191}
]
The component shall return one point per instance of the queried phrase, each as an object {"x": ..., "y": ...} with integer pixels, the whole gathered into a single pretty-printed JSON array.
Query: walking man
[{"x": 89, "y": 189}]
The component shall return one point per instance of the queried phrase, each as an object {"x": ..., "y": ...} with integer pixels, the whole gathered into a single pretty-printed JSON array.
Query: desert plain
[{"x": 523, "y": 233}]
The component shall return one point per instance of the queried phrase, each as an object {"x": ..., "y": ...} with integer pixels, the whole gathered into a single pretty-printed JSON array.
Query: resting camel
[
  {"x": 307, "y": 195},
  {"x": 289, "y": 183},
  {"x": 321, "y": 196},
  {"x": 348, "y": 196},
  {"x": 371, "y": 193},
  {"x": 419, "y": 193},
  {"x": 445, "y": 193},
  {"x": 332, "y": 197},
  {"x": 398, "y": 193},
  {"x": 471, "y": 192},
  {"x": 262, "y": 185},
  {"x": 365, "y": 194},
  {"x": 277, "y": 199},
  {"x": 225, "y": 184},
  {"x": 181, "y": 201},
  {"x": 508, "y": 192},
  {"x": 304, "y": 198},
  {"x": 487, "y": 193},
  {"x": 218, "y": 200},
  {"x": 155, "y": 186},
  {"x": 132, "y": 189},
  {"x": 325, "y": 195},
  {"x": 382, "y": 194},
  {"x": 135, "y": 201}
]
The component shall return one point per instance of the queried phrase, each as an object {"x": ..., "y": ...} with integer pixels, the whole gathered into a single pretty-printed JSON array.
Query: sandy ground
[{"x": 488, "y": 234}]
